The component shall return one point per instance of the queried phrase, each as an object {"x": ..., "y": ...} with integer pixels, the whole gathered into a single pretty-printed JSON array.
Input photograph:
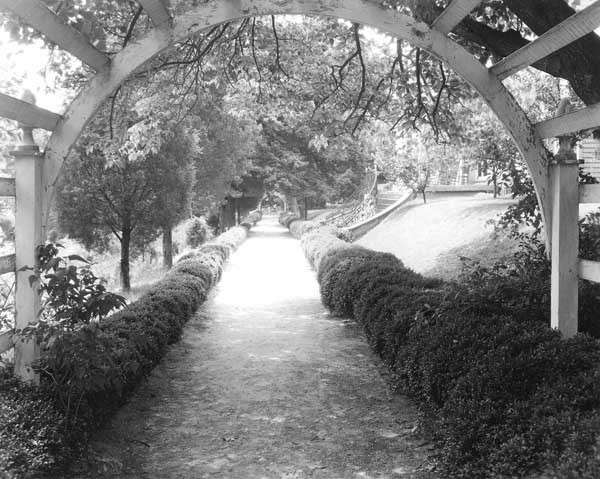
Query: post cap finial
[
  {"x": 28, "y": 96},
  {"x": 27, "y": 141}
]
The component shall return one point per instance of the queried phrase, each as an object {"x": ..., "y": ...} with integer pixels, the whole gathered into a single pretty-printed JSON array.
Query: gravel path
[{"x": 264, "y": 384}]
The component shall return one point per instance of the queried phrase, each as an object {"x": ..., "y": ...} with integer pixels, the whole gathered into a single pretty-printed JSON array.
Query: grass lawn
[{"x": 430, "y": 238}]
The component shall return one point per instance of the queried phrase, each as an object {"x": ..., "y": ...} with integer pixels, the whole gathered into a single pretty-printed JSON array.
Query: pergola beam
[
  {"x": 8, "y": 264},
  {"x": 157, "y": 11},
  {"x": 26, "y": 113},
  {"x": 36, "y": 14},
  {"x": 7, "y": 186},
  {"x": 589, "y": 270},
  {"x": 573, "y": 28},
  {"x": 453, "y": 15},
  {"x": 589, "y": 194},
  {"x": 579, "y": 120}
]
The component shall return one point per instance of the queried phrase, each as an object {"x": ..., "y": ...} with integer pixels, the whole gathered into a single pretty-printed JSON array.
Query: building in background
[{"x": 589, "y": 151}]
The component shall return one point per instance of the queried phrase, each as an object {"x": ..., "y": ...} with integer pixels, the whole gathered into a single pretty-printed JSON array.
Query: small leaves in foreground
[{"x": 72, "y": 294}]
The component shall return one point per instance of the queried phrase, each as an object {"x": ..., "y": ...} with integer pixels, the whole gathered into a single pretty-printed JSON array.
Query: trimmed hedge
[
  {"x": 86, "y": 374},
  {"x": 502, "y": 394},
  {"x": 251, "y": 219}
]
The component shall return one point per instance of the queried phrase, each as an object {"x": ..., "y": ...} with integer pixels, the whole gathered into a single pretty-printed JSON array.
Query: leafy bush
[
  {"x": 251, "y": 219},
  {"x": 285, "y": 219},
  {"x": 34, "y": 434},
  {"x": 501, "y": 393},
  {"x": 89, "y": 369},
  {"x": 589, "y": 236},
  {"x": 330, "y": 258},
  {"x": 198, "y": 232},
  {"x": 72, "y": 295}
]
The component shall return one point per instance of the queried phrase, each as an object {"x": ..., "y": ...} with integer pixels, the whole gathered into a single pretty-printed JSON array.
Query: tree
[
  {"x": 419, "y": 162},
  {"x": 97, "y": 200},
  {"x": 221, "y": 162},
  {"x": 176, "y": 174}
]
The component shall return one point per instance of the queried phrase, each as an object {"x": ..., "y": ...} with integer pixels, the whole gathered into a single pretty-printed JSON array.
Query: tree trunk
[
  {"x": 495, "y": 179},
  {"x": 423, "y": 195},
  {"x": 305, "y": 208},
  {"x": 221, "y": 218},
  {"x": 167, "y": 245},
  {"x": 293, "y": 205},
  {"x": 125, "y": 244}
]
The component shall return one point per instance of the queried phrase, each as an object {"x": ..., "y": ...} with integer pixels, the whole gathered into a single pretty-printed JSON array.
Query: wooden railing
[{"x": 7, "y": 264}]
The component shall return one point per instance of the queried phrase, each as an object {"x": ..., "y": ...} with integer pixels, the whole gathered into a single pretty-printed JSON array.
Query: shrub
[
  {"x": 318, "y": 242},
  {"x": 71, "y": 293},
  {"x": 34, "y": 433},
  {"x": 285, "y": 219},
  {"x": 251, "y": 218},
  {"x": 198, "y": 232},
  {"x": 89, "y": 370},
  {"x": 332, "y": 278},
  {"x": 513, "y": 411},
  {"x": 330, "y": 258},
  {"x": 350, "y": 285},
  {"x": 501, "y": 393}
]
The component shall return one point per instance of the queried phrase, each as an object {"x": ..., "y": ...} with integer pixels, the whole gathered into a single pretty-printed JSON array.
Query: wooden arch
[
  {"x": 207, "y": 15},
  {"x": 555, "y": 182}
]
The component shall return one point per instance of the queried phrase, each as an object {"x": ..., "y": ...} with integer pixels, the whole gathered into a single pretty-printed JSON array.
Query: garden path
[{"x": 265, "y": 384}]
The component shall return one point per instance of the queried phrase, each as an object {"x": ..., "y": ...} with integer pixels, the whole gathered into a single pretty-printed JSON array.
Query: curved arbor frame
[{"x": 555, "y": 182}]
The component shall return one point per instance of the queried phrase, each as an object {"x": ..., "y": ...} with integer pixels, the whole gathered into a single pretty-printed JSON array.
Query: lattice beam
[
  {"x": 40, "y": 17},
  {"x": 157, "y": 10},
  {"x": 26, "y": 113},
  {"x": 589, "y": 270},
  {"x": 573, "y": 28},
  {"x": 579, "y": 120},
  {"x": 589, "y": 194},
  {"x": 7, "y": 187},
  {"x": 453, "y": 15},
  {"x": 8, "y": 264}
]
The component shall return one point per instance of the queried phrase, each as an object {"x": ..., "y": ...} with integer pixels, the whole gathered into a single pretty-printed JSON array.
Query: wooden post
[
  {"x": 565, "y": 235},
  {"x": 28, "y": 235}
]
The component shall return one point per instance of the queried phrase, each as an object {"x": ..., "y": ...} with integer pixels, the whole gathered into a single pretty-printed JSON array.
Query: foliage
[
  {"x": 198, "y": 232},
  {"x": 589, "y": 236},
  {"x": 89, "y": 371},
  {"x": 501, "y": 393},
  {"x": 251, "y": 219},
  {"x": 71, "y": 295},
  {"x": 34, "y": 434}
]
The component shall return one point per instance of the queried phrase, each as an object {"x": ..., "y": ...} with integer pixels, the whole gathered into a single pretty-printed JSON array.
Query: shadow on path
[{"x": 264, "y": 384}]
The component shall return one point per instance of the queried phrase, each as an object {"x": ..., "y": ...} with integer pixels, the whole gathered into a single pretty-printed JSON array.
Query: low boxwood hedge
[
  {"x": 87, "y": 373},
  {"x": 501, "y": 393}
]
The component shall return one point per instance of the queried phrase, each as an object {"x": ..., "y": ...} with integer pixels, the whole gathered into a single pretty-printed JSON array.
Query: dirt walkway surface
[{"x": 265, "y": 384}]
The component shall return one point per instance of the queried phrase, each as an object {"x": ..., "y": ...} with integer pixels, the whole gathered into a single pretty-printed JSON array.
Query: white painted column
[
  {"x": 28, "y": 235},
  {"x": 564, "y": 175}
]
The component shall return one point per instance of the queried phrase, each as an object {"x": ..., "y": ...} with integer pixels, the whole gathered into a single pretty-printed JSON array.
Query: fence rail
[
  {"x": 589, "y": 270},
  {"x": 589, "y": 194},
  {"x": 8, "y": 263}
]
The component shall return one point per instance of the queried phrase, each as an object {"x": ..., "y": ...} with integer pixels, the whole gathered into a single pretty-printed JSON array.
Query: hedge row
[
  {"x": 86, "y": 374},
  {"x": 502, "y": 394},
  {"x": 252, "y": 218}
]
